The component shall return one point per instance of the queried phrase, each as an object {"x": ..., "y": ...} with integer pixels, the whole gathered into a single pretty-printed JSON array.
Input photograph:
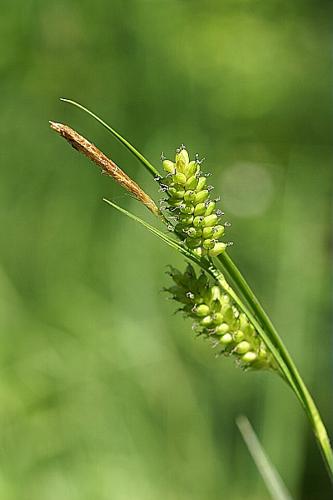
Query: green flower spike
[
  {"x": 216, "y": 317},
  {"x": 197, "y": 219}
]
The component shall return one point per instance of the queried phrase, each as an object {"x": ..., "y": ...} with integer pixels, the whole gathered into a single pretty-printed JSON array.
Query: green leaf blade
[{"x": 151, "y": 169}]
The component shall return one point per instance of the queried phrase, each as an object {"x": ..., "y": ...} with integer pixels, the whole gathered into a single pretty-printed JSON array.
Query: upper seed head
[{"x": 193, "y": 210}]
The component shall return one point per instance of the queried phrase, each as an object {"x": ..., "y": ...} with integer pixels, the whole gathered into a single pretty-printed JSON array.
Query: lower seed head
[{"x": 218, "y": 318}]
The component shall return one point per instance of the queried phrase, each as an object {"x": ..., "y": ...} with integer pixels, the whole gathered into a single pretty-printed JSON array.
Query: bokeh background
[{"x": 104, "y": 393}]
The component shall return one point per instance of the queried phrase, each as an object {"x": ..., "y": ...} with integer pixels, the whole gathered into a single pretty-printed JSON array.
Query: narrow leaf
[
  {"x": 164, "y": 237},
  {"x": 152, "y": 170},
  {"x": 268, "y": 472}
]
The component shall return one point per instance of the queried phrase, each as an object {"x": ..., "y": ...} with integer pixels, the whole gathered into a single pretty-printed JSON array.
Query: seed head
[
  {"x": 197, "y": 217},
  {"x": 217, "y": 318}
]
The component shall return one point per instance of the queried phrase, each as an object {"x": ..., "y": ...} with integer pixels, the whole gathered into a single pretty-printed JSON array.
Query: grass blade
[
  {"x": 151, "y": 169},
  {"x": 164, "y": 237},
  {"x": 268, "y": 472}
]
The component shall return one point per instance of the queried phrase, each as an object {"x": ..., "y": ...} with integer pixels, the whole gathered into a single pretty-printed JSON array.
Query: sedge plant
[{"x": 211, "y": 290}]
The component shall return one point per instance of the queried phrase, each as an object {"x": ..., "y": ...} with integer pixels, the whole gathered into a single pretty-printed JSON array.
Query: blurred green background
[{"x": 104, "y": 393}]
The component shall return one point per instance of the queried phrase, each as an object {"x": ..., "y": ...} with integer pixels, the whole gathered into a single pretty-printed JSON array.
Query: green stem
[{"x": 302, "y": 392}]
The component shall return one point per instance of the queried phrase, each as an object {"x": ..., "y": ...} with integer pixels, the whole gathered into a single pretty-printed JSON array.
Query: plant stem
[{"x": 302, "y": 392}]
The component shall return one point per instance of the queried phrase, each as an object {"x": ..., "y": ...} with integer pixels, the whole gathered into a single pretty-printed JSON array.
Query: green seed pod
[
  {"x": 192, "y": 168},
  {"x": 249, "y": 357},
  {"x": 217, "y": 318},
  {"x": 238, "y": 336},
  {"x": 201, "y": 183},
  {"x": 199, "y": 209},
  {"x": 194, "y": 233},
  {"x": 197, "y": 221},
  {"x": 189, "y": 196},
  {"x": 191, "y": 183},
  {"x": 186, "y": 219},
  {"x": 207, "y": 232},
  {"x": 206, "y": 321},
  {"x": 187, "y": 209},
  {"x": 217, "y": 249},
  {"x": 202, "y": 310},
  {"x": 180, "y": 178},
  {"x": 218, "y": 231},
  {"x": 201, "y": 196},
  {"x": 169, "y": 166},
  {"x": 208, "y": 244},
  {"x": 222, "y": 329},
  {"x": 210, "y": 220},
  {"x": 210, "y": 207},
  {"x": 226, "y": 339},
  {"x": 242, "y": 347},
  {"x": 182, "y": 159},
  {"x": 179, "y": 194},
  {"x": 248, "y": 329}
]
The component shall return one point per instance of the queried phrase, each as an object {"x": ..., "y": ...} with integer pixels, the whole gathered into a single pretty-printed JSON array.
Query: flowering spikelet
[
  {"x": 197, "y": 219},
  {"x": 217, "y": 317}
]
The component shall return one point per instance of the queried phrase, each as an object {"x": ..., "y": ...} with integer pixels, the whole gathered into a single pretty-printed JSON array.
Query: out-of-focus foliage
[{"x": 103, "y": 393}]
